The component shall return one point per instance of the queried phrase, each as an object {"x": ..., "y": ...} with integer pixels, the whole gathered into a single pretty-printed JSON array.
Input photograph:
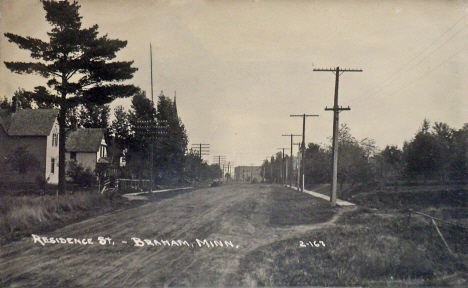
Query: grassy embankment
[
  {"x": 23, "y": 215},
  {"x": 26, "y": 214},
  {"x": 375, "y": 244}
]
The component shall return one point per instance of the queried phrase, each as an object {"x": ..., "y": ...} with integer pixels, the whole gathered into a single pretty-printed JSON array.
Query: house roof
[
  {"x": 28, "y": 122},
  {"x": 84, "y": 140}
]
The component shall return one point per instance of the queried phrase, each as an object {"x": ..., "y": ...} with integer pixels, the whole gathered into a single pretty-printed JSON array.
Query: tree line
[{"x": 435, "y": 153}]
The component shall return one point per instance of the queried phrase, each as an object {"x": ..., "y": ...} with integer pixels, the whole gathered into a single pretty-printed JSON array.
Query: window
[
  {"x": 103, "y": 151},
  {"x": 52, "y": 165},
  {"x": 55, "y": 139}
]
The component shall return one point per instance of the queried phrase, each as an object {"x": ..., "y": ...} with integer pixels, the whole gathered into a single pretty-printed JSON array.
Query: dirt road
[{"x": 193, "y": 239}]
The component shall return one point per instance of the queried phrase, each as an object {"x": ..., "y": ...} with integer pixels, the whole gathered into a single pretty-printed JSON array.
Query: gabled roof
[
  {"x": 28, "y": 122},
  {"x": 84, "y": 140}
]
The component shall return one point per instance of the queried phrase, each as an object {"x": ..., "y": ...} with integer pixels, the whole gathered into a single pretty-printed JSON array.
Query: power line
[
  {"x": 401, "y": 75},
  {"x": 413, "y": 59},
  {"x": 149, "y": 131},
  {"x": 202, "y": 149},
  {"x": 424, "y": 75},
  {"x": 219, "y": 157}
]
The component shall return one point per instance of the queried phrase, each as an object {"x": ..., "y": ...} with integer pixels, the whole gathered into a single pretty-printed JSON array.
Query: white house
[
  {"x": 36, "y": 131},
  {"x": 86, "y": 147}
]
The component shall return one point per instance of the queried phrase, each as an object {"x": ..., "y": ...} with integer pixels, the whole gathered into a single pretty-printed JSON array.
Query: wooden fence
[{"x": 137, "y": 184}]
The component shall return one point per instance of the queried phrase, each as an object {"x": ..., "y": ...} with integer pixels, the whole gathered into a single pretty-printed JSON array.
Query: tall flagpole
[
  {"x": 152, "y": 104},
  {"x": 151, "y": 59}
]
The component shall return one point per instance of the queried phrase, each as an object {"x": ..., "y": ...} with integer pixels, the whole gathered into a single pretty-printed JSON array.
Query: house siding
[
  {"x": 85, "y": 159},
  {"x": 52, "y": 152},
  {"x": 36, "y": 137},
  {"x": 88, "y": 159}
]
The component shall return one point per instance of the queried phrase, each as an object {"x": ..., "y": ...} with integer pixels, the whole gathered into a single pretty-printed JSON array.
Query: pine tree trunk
[{"x": 62, "y": 139}]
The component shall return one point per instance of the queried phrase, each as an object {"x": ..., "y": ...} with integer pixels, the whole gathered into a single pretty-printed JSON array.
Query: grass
[
  {"x": 27, "y": 213},
  {"x": 296, "y": 208},
  {"x": 23, "y": 215},
  {"x": 371, "y": 246}
]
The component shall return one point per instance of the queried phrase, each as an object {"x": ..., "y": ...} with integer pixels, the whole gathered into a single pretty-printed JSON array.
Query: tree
[
  {"x": 213, "y": 171},
  {"x": 195, "y": 167},
  {"x": 22, "y": 161},
  {"x": 318, "y": 169},
  {"x": 120, "y": 128},
  {"x": 459, "y": 165},
  {"x": 443, "y": 135},
  {"x": 25, "y": 100},
  {"x": 93, "y": 116},
  {"x": 5, "y": 104},
  {"x": 267, "y": 170},
  {"x": 273, "y": 167},
  {"x": 81, "y": 176},
  {"x": 76, "y": 62},
  {"x": 391, "y": 164},
  {"x": 355, "y": 165},
  {"x": 422, "y": 155},
  {"x": 171, "y": 152},
  {"x": 139, "y": 141}
]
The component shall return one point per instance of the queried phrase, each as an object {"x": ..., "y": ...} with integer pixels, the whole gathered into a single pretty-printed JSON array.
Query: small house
[{"x": 87, "y": 147}]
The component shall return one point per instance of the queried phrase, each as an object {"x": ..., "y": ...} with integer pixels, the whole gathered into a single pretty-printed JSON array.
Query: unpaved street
[{"x": 238, "y": 217}]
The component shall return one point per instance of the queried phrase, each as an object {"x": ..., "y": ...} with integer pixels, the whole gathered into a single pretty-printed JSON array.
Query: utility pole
[
  {"x": 149, "y": 131},
  {"x": 283, "y": 172},
  {"x": 298, "y": 166},
  {"x": 219, "y": 157},
  {"x": 151, "y": 59},
  {"x": 336, "y": 121},
  {"x": 202, "y": 149},
  {"x": 251, "y": 173},
  {"x": 303, "y": 146},
  {"x": 291, "y": 158},
  {"x": 228, "y": 172}
]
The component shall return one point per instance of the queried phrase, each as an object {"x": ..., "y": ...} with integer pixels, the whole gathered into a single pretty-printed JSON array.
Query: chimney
[{"x": 14, "y": 104}]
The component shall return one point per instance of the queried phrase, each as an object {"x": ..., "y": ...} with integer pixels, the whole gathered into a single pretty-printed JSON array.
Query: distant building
[
  {"x": 248, "y": 173},
  {"x": 37, "y": 131}
]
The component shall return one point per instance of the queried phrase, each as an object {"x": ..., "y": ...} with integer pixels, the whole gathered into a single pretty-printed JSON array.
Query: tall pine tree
[
  {"x": 76, "y": 62},
  {"x": 174, "y": 144},
  {"x": 141, "y": 140}
]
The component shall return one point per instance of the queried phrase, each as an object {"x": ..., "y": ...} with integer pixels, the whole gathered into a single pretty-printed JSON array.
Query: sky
[{"x": 241, "y": 68}]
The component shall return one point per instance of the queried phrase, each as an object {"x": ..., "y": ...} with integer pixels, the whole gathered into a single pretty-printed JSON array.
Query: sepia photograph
[{"x": 233, "y": 143}]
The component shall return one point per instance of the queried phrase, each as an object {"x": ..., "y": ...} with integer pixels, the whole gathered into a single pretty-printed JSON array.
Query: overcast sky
[{"x": 240, "y": 68}]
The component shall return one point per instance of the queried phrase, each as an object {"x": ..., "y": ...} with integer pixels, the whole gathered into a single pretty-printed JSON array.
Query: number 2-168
[{"x": 311, "y": 244}]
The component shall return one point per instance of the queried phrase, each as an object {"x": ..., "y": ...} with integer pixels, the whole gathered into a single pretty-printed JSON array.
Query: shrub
[
  {"x": 80, "y": 176},
  {"x": 41, "y": 182}
]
